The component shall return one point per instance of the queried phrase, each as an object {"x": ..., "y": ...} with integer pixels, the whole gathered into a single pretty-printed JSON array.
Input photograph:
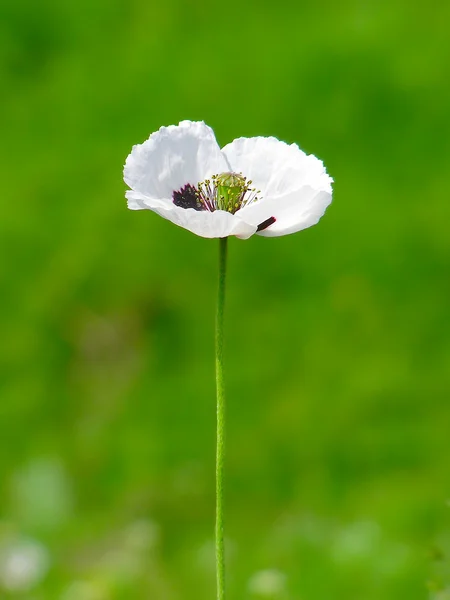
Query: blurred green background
[{"x": 338, "y": 338}]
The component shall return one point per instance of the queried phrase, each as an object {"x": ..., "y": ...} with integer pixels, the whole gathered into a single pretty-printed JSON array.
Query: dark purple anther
[
  {"x": 187, "y": 197},
  {"x": 265, "y": 224}
]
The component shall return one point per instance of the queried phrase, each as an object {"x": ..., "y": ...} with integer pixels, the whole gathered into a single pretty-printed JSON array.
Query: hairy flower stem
[{"x": 220, "y": 449}]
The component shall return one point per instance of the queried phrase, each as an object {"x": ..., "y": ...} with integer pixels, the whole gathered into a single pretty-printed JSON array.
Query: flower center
[
  {"x": 227, "y": 191},
  {"x": 231, "y": 188}
]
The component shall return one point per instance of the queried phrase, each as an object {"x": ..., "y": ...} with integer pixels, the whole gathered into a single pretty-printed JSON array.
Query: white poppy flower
[{"x": 253, "y": 185}]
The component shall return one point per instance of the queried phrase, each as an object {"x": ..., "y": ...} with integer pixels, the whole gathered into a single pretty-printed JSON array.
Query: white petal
[
  {"x": 201, "y": 222},
  {"x": 173, "y": 157},
  {"x": 137, "y": 201},
  {"x": 275, "y": 167},
  {"x": 293, "y": 212}
]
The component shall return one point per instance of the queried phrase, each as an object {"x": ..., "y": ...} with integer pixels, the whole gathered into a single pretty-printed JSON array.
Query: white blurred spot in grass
[
  {"x": 206, "y": 556},
  {"x": 23, "y": 564},
  {"x": 357, "y": 541},
  {"x": 122, "y": 557},
  {"x": 441, "y": 595},
  {"x": 84, "y": 590},
  {"x": 269, "y": 583},
  {"x": 41, "y": 494},
  {"x": 307, "y": 528},
  {"x": 119, "y": 566},
  {"x": 141, "y": 535},
  {"x": 362, "y": 542}
]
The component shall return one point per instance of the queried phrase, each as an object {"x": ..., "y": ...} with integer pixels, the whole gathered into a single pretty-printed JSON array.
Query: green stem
[{"x": 220, "y": 550}]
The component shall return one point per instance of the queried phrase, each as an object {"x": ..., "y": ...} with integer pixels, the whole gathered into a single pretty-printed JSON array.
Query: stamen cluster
[{"x": 227, "y": 191}]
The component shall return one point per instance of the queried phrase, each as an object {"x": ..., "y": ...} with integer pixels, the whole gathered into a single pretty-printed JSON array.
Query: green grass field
[{"x": 337, "y": 338}]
